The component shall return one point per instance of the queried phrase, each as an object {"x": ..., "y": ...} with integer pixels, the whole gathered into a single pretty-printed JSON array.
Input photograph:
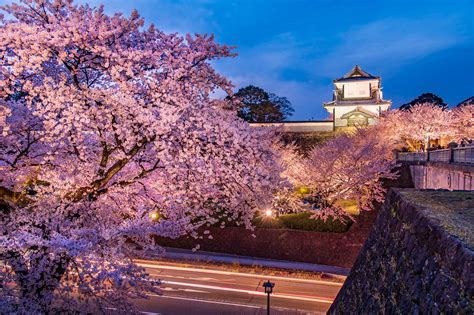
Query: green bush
[{"x": 303, "y": 221}]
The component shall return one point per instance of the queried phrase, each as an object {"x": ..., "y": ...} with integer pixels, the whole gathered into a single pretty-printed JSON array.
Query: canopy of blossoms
[{"x": 105, "y": 125}]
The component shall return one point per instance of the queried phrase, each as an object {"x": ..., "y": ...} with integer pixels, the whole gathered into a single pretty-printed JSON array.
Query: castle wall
[
  {"x": 418, "y": 258},
  {"x": 310, "y": 126}
]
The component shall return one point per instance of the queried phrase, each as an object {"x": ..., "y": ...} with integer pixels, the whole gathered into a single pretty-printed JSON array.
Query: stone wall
[
  {"x": 435, "y": 175},
  {"x": 324, "y": 248},
  {"x": 418, "y": 258}
]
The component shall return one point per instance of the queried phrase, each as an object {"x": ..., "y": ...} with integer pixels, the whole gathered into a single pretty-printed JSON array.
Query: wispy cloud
[
  {"x": 295, "y": 48},
  {"x": 390, "y": 43}
]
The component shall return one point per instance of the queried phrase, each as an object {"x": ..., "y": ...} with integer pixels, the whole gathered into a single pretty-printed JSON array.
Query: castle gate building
[{"x": 357, "y": 101}]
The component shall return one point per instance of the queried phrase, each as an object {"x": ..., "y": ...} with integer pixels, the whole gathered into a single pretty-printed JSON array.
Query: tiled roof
[{"x": 356, "y": 74}]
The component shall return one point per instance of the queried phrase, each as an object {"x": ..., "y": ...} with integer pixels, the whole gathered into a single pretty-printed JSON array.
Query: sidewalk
[{"x": 185, "y": 254}]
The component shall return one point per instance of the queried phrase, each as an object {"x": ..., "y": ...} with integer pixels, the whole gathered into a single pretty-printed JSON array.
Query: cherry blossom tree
[
  {"x": 352, "y": 166},
  {"x": 464, "y": 122},
  {"x": 418, "y": 125},
  {"x": 106, "y": 125},
  {"x": 347, "y": 167}
]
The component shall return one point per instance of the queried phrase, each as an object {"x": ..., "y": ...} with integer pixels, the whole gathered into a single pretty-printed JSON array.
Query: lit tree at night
[
  {"x": 464, "y": 122},
  {"x": 347, "y": 167},
  {"x": 104, "y": 126},
  {"x": 351, "y": 167},
  {"x": 418, "y": 125}
]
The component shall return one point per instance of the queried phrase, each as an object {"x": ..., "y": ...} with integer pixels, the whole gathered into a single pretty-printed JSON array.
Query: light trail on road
[
  {"x": 242, "y": 274},
  {"x": 206, "y": 301},
  {"x": 276, "y": 295},
  {"x": 196, "y": 290}
]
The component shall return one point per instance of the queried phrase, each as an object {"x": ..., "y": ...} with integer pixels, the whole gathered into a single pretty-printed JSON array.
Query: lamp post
[{"x": 268, "y": 290}]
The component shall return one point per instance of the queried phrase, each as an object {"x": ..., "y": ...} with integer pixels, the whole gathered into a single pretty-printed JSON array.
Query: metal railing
[
  {"x": 412, "y": 156},
  {"x": 463, "y": 155},
  {"x": 453, "y": 155},
  {"x": 443, "y": 155}
]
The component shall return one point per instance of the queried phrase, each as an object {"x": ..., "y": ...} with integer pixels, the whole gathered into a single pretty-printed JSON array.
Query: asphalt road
[{"x": 208, "y": 291}]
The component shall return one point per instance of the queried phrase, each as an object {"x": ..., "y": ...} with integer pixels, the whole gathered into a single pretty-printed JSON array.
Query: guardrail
[
  {"x": 440, "y": 155},
  {"x": 454, "y": 155},
  {"x": 412, "y": 156},
  {"x": 463, "y": 155}
]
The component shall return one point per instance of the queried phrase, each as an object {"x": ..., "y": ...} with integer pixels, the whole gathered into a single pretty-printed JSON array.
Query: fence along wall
[
  {"x": 451, "y": 169},
  {"x": 463, "y": 155}
]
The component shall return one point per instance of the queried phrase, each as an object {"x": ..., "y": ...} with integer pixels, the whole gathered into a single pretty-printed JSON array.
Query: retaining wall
[
  {"x": 418, "y": 258},
  {"x": 324, "y": 248},
  {"x": 435, "y": 175}
]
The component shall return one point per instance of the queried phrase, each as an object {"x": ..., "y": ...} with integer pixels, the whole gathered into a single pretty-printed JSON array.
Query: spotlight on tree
[{"x": 154, "y": 215}]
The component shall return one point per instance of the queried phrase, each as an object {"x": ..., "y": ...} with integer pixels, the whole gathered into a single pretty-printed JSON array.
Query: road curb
[{"x": 183, "y": 254}]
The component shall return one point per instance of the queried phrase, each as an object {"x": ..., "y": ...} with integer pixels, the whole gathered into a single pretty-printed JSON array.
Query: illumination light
[
  {"x": 303, "y": 190},
  {"x": 269, "y": 213},
  {"x": 153, "y": 215}
]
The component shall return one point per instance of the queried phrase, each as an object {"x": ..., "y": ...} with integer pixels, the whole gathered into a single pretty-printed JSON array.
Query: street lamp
[{"x": 268, "y": 290}]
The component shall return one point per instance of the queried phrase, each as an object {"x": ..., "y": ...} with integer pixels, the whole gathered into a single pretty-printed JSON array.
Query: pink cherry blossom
[
  {"x": 347, "y": 167},
  {"x": 416, "y": 126},
  {"x": 464, "y": 122},
  {"x": 103, "y": 124}
]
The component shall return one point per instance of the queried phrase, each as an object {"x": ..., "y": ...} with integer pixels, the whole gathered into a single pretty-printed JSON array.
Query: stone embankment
[
  {"x": 322, "y": 248},
  {"x": 418, "y": 258}
]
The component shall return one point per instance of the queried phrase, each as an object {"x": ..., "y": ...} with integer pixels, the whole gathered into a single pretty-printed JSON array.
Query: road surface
[{"x": 208, "y": 291}]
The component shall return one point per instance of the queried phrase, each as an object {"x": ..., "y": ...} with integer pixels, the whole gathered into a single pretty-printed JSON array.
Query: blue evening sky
[{"x": 295, "y": 48}]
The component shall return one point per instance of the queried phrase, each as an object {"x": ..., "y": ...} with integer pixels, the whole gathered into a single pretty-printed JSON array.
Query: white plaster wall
[
  {"x": 343, "y": 109},
  {"x": 374, "y": 83},
  {"x": 316, "y": 126}
]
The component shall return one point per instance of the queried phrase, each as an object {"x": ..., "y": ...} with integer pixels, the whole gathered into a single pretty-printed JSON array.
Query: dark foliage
[
  {"x": 258, "y": 105},
  {"x": 425, "y": 98}
]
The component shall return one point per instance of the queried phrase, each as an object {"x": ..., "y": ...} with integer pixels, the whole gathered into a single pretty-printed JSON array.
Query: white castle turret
[{"x": 357, "y": 99}]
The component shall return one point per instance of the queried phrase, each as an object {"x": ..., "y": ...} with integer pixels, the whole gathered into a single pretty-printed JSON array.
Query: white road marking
[
  {"x": 220, "y": 272},
  {"x": 203, "y": 279},
  {"x": 188, "y": 278},
  {"x": 276, "y": 295},
  {"x": 195, "y": 291},
  {"x": 204, "y": 301},
  {"x": 181, "y": 290},
  {"x": 146, "y": 313}
]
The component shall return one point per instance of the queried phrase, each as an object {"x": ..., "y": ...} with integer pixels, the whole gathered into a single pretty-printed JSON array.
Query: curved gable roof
[
  {"x": 356, "y": 74},
  {"x": 359, "y": 110}
]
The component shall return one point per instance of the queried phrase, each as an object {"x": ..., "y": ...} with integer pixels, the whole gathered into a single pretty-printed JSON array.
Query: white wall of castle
[
  {"x": 340, "y": 110},
  {"x": 307, "y": 126},
  {"x": 358, "y": 89}
]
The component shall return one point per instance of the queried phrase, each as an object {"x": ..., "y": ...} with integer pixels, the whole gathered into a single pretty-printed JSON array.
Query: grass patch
[
  {"x": 349, "y": 205},
  {"x": 303, "y": 221}
]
